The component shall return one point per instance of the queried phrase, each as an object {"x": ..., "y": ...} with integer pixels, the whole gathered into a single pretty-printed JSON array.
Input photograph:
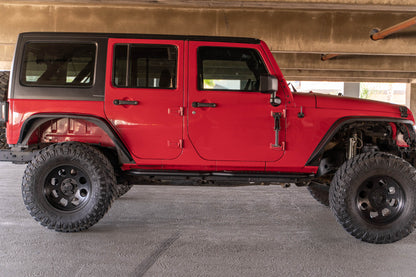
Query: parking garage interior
[{"x": 334, "y": 46}]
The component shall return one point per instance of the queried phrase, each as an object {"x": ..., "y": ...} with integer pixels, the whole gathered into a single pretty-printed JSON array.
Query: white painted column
[{"x": 352, "y": 89}]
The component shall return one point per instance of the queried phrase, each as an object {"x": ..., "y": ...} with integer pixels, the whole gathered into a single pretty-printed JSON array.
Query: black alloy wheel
[
  {"x": 67, "y": 188},
  {"x": 380, "y": 200}
]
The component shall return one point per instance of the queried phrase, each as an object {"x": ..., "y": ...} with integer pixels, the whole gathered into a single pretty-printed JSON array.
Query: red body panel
[
  {"x": 164, "y": 131},
  {"x": 153, "y": 129},
  {"x": 20, "y": 110},
  {"x": 240, "y": 128},
  {"x": 304, "y": 134}
]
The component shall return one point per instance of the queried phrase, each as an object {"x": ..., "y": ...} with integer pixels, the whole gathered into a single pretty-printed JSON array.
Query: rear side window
[
  {"x": 58, "y": 64},
  {"x": 229, "y": 68},
  {"x": 145, "y": 66}
]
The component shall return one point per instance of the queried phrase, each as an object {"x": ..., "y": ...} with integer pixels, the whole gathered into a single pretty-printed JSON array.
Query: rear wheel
[
  {"x": 373, "y": 196},
  {"x": 68, "y": 187}
]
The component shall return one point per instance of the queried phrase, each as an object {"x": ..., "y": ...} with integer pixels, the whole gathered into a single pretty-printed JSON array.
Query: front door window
[{"x": 224, "y": 68}]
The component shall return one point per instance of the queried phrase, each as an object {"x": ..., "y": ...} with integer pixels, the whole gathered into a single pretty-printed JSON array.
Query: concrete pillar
[
  {"x": 408, "y": 94},
  {"x": 412, "y": 97},
  {"x": 352, "y": 89}
]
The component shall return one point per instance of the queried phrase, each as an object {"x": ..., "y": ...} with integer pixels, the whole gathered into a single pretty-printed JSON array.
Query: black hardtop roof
[{"x": 44, "y": 35}]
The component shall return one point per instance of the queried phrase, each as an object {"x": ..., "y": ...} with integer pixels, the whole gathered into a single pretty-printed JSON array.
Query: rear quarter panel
[{"x": 21, "y": 109}]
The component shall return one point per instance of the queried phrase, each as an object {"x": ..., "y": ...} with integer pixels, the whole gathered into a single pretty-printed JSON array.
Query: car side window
[
  {"x": 145, "y": 66},
  {"x": 229, "y": 68},
  {"x": 58, "y": 64}
]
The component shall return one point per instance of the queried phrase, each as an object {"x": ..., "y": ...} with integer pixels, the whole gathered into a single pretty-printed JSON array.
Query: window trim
[
  {"x": 113, "y": 63},
  {"x": 200, "y": 78},
  {"x": 128, "y": 66},
  {"x": 22, "y": 74}
]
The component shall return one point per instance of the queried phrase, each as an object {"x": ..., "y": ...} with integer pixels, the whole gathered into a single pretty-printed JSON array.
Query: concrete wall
[
  {"x": 286, "y": 31},
  {"x": 387, "y": 5}
]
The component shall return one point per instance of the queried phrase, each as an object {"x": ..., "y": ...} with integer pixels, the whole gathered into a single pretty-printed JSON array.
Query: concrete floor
[{"x": 195, "y": 231}]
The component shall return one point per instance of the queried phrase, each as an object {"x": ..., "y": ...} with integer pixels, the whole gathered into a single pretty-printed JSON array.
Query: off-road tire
[
  {"x": 373, "y": 196},
  {"x": 320, "y": 192},
  {"x": 68, "y": 186},
  {"x": 4, "y": 84},
  {"x": 122, "y": 189}
]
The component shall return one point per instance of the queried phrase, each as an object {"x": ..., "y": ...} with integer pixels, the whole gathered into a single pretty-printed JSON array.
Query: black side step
[
  {"x": 18, "y": 157},
  {"x": 224, "y": 176}
]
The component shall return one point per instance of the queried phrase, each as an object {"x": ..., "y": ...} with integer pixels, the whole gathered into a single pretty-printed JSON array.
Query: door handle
[
  {"x": 203, "y": 105},
  {"x": 125, "y": 102}
]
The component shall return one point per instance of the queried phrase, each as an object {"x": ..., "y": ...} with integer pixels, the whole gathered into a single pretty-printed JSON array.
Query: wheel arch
[
  {"x": 316, "y": 155},
  {"x": 32, "y": 124}
]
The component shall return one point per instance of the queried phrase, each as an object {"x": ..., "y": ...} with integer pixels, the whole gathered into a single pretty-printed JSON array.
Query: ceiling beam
[
  {"x": 348, "y": 76},
  {"x": 346, "y": 62},
  {"x": 332, "y": 5}
]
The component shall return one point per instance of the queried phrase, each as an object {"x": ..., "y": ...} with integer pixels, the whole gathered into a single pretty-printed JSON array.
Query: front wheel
[
  {"x": 373, "y": 197},
  {"x": 68, "y": 187}
]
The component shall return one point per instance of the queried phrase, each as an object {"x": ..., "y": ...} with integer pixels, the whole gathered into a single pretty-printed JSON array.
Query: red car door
[
  {"x": 228, "y": 118},
  {"x": 144, "y": 95}
]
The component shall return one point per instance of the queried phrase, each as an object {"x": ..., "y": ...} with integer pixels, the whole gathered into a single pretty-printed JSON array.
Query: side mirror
[{"x": 268, "y": 84}]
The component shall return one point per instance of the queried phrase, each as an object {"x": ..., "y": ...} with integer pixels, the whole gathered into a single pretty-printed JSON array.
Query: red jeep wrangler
[{"x": 93, "y": 114}]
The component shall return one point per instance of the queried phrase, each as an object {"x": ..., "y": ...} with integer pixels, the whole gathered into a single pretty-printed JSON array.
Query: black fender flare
[
  {"x": 35, "y": 121},
  {"x": 314, "y": 159}
]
